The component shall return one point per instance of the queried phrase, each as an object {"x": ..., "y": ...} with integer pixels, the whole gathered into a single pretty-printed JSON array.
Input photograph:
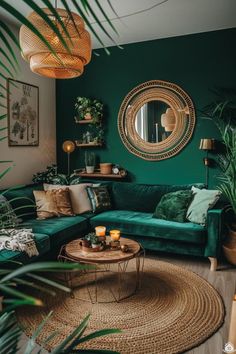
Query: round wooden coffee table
[{"x": 110, "y": 261}]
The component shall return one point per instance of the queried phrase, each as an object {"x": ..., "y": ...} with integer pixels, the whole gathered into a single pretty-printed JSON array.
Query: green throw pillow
[
  {"x": 8, "y": 218},
  {"x": 99, "y": 198},
  {"x": 173, "y": 206}
]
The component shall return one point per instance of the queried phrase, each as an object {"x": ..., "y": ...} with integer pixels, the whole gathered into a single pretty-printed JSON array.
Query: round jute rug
[{"x": 174, "y": 310}]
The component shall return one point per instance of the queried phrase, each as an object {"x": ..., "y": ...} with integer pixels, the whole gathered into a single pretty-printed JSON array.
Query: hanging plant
[{"x": 88, "y": 109}]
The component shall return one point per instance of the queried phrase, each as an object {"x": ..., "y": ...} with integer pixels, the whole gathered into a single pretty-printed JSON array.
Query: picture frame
[{"x": 23, "y": 113}]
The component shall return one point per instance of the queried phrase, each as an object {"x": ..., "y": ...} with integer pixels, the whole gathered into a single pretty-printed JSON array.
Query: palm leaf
[
  {"x": 89, "y": 25},
  {"x": 77, "y": 332},
  {"x": 9, "y": 61},
  {"x": 16, "y": 14},
  {"x": 49, "y": 22},
  {"x": 42, "y": 266},
  {"x": 7, "y": 44}
]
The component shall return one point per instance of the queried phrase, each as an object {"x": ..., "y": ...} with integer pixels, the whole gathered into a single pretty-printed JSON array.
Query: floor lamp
[
  {"x": 207, "y": 145},
  {"x": 68, "y": 146}
]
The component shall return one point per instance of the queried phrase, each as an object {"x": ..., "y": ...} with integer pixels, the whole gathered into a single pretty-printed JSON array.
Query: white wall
[{"x": 29, "y": 160}]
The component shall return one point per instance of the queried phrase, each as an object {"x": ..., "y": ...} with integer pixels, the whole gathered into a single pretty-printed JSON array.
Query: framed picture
[{"x": 23, "y": 113}]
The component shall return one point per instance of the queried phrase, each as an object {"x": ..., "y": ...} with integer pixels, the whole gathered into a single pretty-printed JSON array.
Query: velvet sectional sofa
[{"x": 132, "y": 210}]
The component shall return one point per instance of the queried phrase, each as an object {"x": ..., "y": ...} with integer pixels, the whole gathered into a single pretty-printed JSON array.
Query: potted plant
[
  {"x": 93, "y": 240},
  {"x": 88, "y": 109},
  {"x": 89, "y": 161},
  {"x": 223, "y": 114}
]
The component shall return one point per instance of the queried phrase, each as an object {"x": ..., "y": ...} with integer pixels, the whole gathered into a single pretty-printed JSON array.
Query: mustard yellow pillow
[{"x": 46, "y": 204}]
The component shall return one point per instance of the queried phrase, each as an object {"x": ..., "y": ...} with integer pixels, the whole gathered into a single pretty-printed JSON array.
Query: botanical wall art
[{"x": 23, "y": 114}]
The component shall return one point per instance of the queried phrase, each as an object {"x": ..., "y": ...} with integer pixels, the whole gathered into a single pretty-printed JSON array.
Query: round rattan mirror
[{"x": 156, "y": 120}]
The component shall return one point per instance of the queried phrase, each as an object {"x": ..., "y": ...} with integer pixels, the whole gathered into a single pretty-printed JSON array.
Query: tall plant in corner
[
  {"x": 223, "y": 113},
  {"x": 24, "y": 275}
]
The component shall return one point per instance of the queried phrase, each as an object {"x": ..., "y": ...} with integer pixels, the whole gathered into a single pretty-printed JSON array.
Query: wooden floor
[{"x": 224, "y": 280}]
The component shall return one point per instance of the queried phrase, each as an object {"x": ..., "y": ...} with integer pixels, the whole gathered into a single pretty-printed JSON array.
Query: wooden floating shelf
[
  {"x": 98, "y": 175},
  {"x": 87, "y": 145},
  {"x": 85, "y": 121}
]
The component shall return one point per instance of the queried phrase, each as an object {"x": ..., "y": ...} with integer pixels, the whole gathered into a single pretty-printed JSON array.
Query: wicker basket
[
  {"x": 230, "y": 247},
  {"x": 106, "y": 168}
]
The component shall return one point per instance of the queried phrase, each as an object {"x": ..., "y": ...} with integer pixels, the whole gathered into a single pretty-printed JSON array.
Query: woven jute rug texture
[{"x": 174, "y": 311}]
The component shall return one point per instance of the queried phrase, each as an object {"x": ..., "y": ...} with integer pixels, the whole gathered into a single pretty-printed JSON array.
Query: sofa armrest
[{"x": 215, "y": 232}]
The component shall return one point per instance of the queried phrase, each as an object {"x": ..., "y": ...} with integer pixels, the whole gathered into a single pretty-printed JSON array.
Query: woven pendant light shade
[{"x": 42, "y": 62}]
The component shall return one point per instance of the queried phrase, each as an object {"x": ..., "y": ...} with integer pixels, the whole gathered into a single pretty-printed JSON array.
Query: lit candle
[
  {"x": 115, "y": 235},
  {"x": 232, "y": 326},
  {"x": 100, "y": 230}
]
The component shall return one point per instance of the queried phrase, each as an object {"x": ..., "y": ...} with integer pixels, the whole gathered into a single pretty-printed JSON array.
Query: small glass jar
[{"x": 115, "y": 235}]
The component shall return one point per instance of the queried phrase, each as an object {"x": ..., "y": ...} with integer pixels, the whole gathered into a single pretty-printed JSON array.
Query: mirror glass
[{"x": 155, "y": 121}]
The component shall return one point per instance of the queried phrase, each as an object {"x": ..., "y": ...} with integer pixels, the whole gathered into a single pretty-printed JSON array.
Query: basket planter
[
  {"x": 230, "y": 247},
  {"x": 106, "y": 168}
]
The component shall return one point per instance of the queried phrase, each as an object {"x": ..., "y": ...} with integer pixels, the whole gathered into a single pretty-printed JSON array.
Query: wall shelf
[
  {"x": 87, "y": 145},
  {"x": 98, "y": 175},
  {"x": 85, "y": 121}
]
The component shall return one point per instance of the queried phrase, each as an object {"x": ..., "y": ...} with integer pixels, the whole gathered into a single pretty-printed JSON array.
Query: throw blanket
[{"x": 18, "y": 240}]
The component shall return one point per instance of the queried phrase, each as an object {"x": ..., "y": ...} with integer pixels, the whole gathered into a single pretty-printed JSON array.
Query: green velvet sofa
[{"x": 132, "y": 209}]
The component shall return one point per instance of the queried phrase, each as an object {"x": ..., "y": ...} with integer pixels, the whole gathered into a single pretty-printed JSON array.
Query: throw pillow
[
  {"x": 173, "y": 206},
  {"x": 99, "y": 198},
  {"x": 63, "y": 202},
  {"x": 203, "y": 200},
  {"x": 46, "y": 204},
  {"x": 78, "y": 194},
  {"x": 8, "y": 218}
]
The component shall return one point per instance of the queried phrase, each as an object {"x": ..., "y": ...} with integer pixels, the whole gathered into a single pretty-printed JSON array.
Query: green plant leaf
[
  {"x": 49, "y": 22},
  {"x": 6, "y": 69},
  {"x": 55, "y": 13},
  {"x": 40, "y": 266},
  {"x": 2, "y": 174},
  {"x": 16, "y": 14},
  {"x": 77, "y": 332},
  {"x": 9, "y": 61},
  {"x": 64, "y": 2},
  {"x": 101, "y": 333},
  {"x": 10, "y": 291},
  {"x": 89, "y": 25},
  {"x": 49, "y": 282},
  {"x": 31, "y": 343},
  {"x": 7, "y": 44}
]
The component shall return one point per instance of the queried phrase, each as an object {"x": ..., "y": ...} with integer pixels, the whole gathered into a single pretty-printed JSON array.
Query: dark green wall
[{"x": 197, "y": 63}]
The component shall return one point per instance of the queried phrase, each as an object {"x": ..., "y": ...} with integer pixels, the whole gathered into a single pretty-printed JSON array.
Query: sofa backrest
[
  {"x": 22, "y": 200},
  {"x": 142, "y": 197}
]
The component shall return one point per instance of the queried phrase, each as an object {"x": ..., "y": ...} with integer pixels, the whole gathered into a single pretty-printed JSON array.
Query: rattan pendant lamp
[{"x": 65, "y": 65}]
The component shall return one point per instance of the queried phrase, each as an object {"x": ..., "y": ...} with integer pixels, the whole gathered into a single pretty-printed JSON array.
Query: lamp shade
[
  {"x": 68, "y": 146},
  {"x": 168, "y": 120},
  {"x": 66, "y": 64},
  {"x": 207, "y": 144}
]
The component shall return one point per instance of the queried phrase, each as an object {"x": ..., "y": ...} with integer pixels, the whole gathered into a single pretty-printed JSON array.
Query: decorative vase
[{"x": 89, "y": 169}]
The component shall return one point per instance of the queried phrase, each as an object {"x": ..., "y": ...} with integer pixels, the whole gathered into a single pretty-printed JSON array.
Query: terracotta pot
[
  {"x": 106, "y": 168},
  {"x": 229, "y": 247}
]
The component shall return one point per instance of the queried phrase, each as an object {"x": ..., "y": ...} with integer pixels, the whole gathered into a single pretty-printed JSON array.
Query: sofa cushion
[
  {"x": 22, "y": 200},
  {"x": 60, "y": 229},
  {"x": 142, "y": 224},
  {"x": 173, "y": 206},
  {"x": 43, "y": 246},
  {"x": 142, "y": 197}
]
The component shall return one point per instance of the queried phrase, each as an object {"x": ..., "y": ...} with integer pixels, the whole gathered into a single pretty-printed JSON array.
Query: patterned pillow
[
  {"x": 8, "y": 218},
  {"x": 99, "y": 198}
]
